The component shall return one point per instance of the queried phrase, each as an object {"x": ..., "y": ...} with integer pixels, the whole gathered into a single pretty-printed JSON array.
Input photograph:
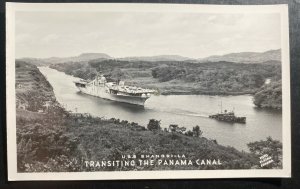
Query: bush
[
  {"x": 42, "y": 142},
  {"x": 189, "y": 133},
  {"x": 176, "y": 128},
  {"x": 153, "y": 125},
  {"x": 271, "y": 147},
  {"x": 173, "y": 127},
  {"x": 197, "y": 132}
]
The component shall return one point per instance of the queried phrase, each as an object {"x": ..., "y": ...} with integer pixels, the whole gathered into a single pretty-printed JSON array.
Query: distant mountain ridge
[
  {"x": 81, "y": 57},
  {"x": 270, "y": 56},
  {"x": 57, "y": 60},
  {"x": 246, "y": 57},
  {"x": 156, "y": 58}
]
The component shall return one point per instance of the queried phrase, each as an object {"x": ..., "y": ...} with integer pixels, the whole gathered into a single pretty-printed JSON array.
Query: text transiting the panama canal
[{"x": 152, "y": 160}]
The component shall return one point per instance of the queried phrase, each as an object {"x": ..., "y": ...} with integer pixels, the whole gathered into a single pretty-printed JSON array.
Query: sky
[{"x": 122, "y": 34}]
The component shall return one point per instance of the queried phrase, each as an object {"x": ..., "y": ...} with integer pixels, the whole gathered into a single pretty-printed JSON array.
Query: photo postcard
[{"x": 147, "y": 91}]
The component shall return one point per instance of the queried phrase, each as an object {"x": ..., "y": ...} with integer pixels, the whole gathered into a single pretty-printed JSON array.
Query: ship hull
[
  {"x": 102, "y": 93},
  {"x": 229, "y": 119}
]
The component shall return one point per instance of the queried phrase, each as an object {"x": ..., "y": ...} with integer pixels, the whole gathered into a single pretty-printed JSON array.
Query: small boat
[{"x": 228, "y": 116}]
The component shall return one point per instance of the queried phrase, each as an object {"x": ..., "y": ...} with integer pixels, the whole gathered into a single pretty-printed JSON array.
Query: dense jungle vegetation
[{"x": 213, "y": 78}]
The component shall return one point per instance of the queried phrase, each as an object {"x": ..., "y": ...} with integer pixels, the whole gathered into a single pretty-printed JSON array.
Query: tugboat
[{"x": 228, "y": 117}]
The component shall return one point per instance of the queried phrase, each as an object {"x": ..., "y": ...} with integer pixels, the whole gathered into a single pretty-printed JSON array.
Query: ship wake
[{"x": 180, "y": 112}]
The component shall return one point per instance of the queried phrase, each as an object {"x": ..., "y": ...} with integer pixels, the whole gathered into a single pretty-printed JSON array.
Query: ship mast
[{"x": 221, "y": 107}]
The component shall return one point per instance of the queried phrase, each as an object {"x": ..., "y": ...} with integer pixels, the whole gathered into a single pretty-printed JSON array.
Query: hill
[
  {"x": 81, "y": 57},
  {"x": 156, "y": 58},
  {"x": 272, "y": 56},
  {"x": 84, "y": 57}
]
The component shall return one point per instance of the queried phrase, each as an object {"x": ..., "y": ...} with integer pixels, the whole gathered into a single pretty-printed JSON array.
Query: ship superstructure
[{"x": 116, "y": 91}]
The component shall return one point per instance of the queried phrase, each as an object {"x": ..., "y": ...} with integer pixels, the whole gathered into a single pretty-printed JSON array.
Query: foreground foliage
[{"x": 270, "y": 147}]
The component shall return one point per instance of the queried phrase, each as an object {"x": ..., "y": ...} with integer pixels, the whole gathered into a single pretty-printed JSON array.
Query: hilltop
[
  {"x": 84, "y": 57},
  {"x": 272, "y": 56},
  {"x": 157, "y": 58}
]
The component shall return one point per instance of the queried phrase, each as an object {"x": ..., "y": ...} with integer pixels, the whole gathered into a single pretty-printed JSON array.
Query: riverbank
[
  {"x": 179, "y": 87},
  {"x": 51, "y": 139}
]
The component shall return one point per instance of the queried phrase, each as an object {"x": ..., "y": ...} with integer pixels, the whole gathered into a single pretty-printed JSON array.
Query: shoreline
[{"x": 209, "y": 93}]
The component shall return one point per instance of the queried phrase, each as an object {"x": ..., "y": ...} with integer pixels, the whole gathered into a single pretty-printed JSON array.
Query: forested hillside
[
  {"x": 247, "y": 57},
  {"x": 217, "y": 78},
  {"x": 269, "y": 96}
]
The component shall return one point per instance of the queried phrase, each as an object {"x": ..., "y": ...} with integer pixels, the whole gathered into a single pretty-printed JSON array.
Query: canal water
[{"x": 184, "y": 110}]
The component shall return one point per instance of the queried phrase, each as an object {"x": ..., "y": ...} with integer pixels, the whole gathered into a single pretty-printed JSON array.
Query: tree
[
  {"x": 181, "y": 129},
  {"x": 176, "y": 128},
  {"x": 269, "y": 96},
  {"x": 153, "y": 125},
  {"x": 270, "y": 147},
  {"x": 197, "y": 132},
  {"x": 258, "y": 79}
]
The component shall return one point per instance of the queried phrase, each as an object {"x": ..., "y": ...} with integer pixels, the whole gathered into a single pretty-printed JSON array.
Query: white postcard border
[{"x": 13, "y": 175}]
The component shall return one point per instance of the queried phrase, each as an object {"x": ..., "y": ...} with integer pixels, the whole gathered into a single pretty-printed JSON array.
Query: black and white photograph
[{"x": 147, "y": 91}]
